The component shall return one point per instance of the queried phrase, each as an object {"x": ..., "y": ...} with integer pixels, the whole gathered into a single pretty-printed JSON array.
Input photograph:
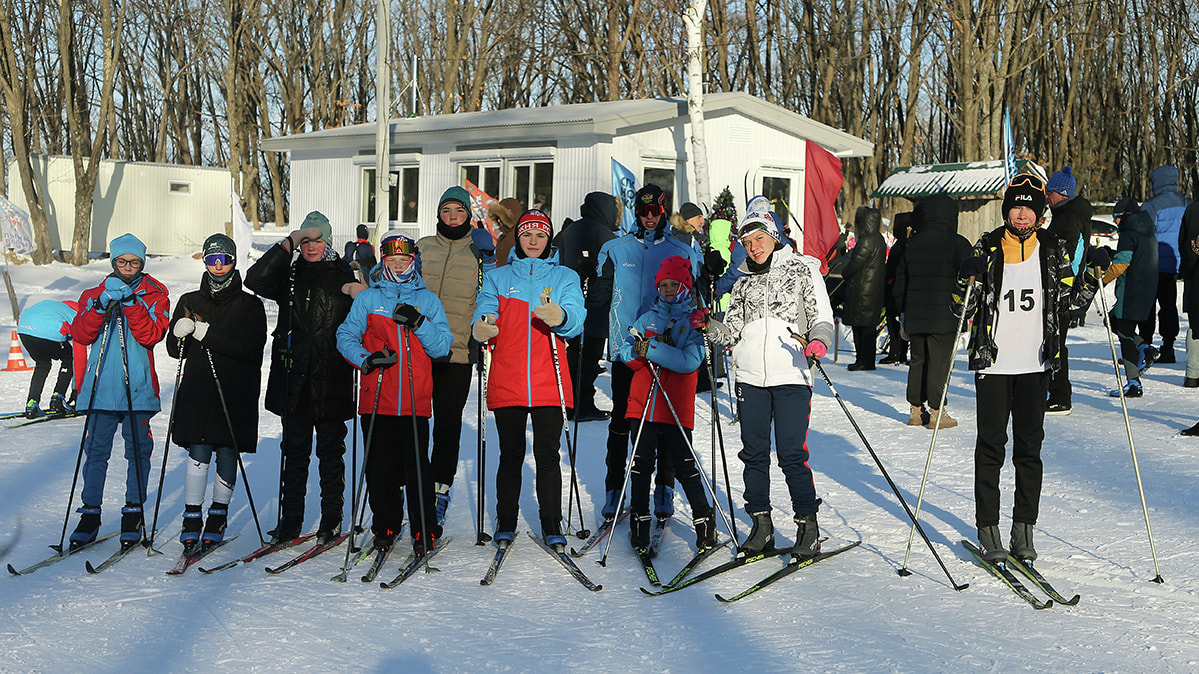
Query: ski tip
[
  {"x": 1073, "y": 600},
  {"x": 90, "y": 568},
  {"x": 650, "y": 593},
  {"x": 13, "y": 571},
  {"x": 723, "y": 600},
  {"x": 597, "y": 588},
  {"x": 1048, "y": 604}
]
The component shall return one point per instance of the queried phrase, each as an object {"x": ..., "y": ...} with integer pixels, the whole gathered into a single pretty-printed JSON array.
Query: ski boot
[
  {"x": 705, "y": 531},
  {"x": 553, "y": 537},
  {"x": 640, "y": 525},
  {"x": 611, "y": 504},
  {"x": 214, "y": 528},
  {"x": 59, "y": 406},
  {"x": 441, "y": 495},
  {"x": 32, "y": 411},
  {"x": 991, "y": 544},
  {"x": 807, "y": 537},
  {"x": 1132, "y": 389},
  {"x": 286, "y": 530},
  {"x": 329, "y": 528},
  {"x": 193, "y": 523},
  {"x": 663, "y": 502},
  {"x": 88, "y": 528},
  {"x": 384, "y": 540},
  {"x": 132, "y": 524},
  {"x": 1021, "y": 541},
  {"x": 761, "y": 536},
  {"x": 423, "y": 543},
  {"x": 504, "y": 538}
]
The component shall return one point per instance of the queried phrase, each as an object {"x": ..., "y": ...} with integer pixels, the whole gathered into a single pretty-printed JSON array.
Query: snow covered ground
[{"x": 853, "y": 613}]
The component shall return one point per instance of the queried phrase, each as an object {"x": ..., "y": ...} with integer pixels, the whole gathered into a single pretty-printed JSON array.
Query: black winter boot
[
  {"x": 88, "y": 528},
  {"x": 214, "y": 528},
  {"x": 285, "y": 530},
  {"x": 131, "y": 524},
  {"x": 761, "y": 536},
  {"x": 639, "y": 528},
  {"x": 1021, "y": 541},
  {"x": 991, "y": 543},
  {"x": 193, "y": 523},
  {"x": 807, "y": 537},
  {"x": 705, "y": 531},
  {"x": 330, "y": 527}
]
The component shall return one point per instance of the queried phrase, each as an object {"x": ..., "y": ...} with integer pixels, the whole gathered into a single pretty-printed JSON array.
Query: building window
[
  {"x": 484, "y": 176},
  {"x": 179, "y": 187},
  {"x": 533, "y": 185},
  {"x": 778, "y": 191},
  {"x": 404, "y": 188},
  {"x": 664, "y": 179}
]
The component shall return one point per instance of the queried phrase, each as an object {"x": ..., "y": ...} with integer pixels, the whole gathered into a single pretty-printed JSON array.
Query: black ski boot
[
  {"x": 88, "y": 528},
  {"x": 131, "y": 525},
  {"x": 329, "y": 528},
  {"x": 423, "y": 543},
  {"x": 218, "y": 519},
  {"x": 705, "y": 531},
  {"x": 639, "y": 528},
  {"x": 193, "y": 523},
  {"x": 1021, "y": 541},
  {"x": 807, "y": 537},
  {"x": 285, "y": 530},
  {"x": 59, "y": 406},
  {"x": 384, "y": 540},
  {"x": 991, "y": 543},
  {"x": 761, "y": 536}
]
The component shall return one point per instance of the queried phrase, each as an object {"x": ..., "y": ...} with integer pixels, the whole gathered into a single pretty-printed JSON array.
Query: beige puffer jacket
[{"x": 450, "y": 269}]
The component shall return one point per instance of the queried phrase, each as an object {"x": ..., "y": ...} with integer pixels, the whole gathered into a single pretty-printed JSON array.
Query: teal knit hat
[
  {"x": 318, "y": 220},
  {"x": 457, "y": 194}
]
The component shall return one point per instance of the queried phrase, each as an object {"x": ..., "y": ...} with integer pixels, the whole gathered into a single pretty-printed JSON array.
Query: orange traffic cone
[{"x": 16, "y": 358}]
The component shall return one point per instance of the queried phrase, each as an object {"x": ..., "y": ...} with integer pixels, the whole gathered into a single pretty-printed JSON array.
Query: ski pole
[
  {"x": 166, "y": 447},
  {"x": 1107, "y": 319},
  {"x": 356, "y": 511},
  {"x": 653, "y": 368},
  {"x": 481, "y": 536},
  {"x": 354, "y": 453},
  {"x": 574, "y": 480},
  {"x": 717, "y": 432},
  {"x": 878, "y": 462},
  {"x": 233, "y": 439},
  {"x": 583, "y": 533},
  {"x": 628, "y": 471},
  {"x": 141, "y": 490},
  {"x": 903, "y": 570},
  {"x": 406, "y": 335},
  {"x": 91, "y": 400}
]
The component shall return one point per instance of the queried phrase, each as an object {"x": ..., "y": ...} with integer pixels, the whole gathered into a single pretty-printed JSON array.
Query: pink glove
[
  {"x": 815, "y": 349},
  {"x": 699, "y": 318}
]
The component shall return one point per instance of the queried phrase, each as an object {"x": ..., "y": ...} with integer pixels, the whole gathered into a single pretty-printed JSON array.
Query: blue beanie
[
  {"x": 1062, "y": 182},
  {"x": 127, "y": 244}
]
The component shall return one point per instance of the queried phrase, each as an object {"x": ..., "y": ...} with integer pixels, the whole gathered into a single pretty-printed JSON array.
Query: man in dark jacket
[
  {"x": 924, "y": 285},
  {"x": 864, "y": 296},
  {"x": 1188, "y": 250},
  {"x": 1071, "y": 224},
  {"x": 579, "y": 248},
  {"x": 1134, "y": 269},
  {"x": 310, "y": 385}
]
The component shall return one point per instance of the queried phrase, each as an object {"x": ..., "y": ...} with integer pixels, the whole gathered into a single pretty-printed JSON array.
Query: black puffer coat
[
  {"x": 1189, "y": 261},
  {"x": 1136, "y": 290},
  {"x": 235, "y": 339},
  {"x": 578, "y": 249},
  {"x": 864, "y": 271},
  {"x": 1071, "y": 222},
  {"x": 308, "y": 375},
  {"x": 928, "y": 272}
]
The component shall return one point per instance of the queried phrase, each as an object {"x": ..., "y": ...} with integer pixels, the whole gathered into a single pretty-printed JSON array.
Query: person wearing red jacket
[
  {"x": 122, "y": 319},
  {"x": 522, "y": 309},
  {"x": 397, "y": 322},
  {"x": 666, "y": 341}
]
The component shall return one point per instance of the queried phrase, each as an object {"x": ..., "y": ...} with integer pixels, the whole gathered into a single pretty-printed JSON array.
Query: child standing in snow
[
  {"x": 525, "y": 306},
  {"x": 221, "y": 330},
  {"x": 397, "y": 321},
  {"x": 667, "y": 343},
  {"x": 1023, "y": 288}
]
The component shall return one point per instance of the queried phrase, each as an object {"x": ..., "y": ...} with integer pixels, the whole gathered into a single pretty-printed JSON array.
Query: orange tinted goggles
[{"x": 398, "y": 247}]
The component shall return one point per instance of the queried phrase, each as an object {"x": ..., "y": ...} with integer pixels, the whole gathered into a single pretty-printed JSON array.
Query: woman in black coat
[
  {"x": 220, "y": 330},
  {"x": 864, "y": 273},
  {"x": 310, "y": 385}
]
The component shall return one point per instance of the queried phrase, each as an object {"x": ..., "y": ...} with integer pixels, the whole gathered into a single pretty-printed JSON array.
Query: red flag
[{"x": 822, "y": 184}]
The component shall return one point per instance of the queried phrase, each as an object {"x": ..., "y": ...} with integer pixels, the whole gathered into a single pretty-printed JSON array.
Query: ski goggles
[
  {"x": 648, "y": 209},
  {"x": 1029, "y": 179},
  {"x": 397, "y": 247},
  {"x": 218, "y": 259}
]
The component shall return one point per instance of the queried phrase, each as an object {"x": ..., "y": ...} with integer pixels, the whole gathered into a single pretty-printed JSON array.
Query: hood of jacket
[
  {"x": 939, "y": 212},
  {"x": 1164, "y": 179},
  {"x": 600, "y": 207},
  {"x": 1139, "y": 222}
]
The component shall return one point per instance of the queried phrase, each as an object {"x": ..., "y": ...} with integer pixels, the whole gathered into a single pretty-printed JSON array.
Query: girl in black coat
[
  {"x": 220, "y": 330},
  {"x": 864, "y": 274}
]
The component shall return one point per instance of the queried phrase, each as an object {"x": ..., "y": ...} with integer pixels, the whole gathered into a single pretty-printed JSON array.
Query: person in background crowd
[
  {"x": 897, "y": 344},
  {"x": 45, "y": 334},
  {"x": 1134, "y": 269},
  {"x": 1165, "y": 210},
  {"x": 863, "y": 274},
  {"x": 503, "y": 215},
  {"x": 1071, "y": 224}
]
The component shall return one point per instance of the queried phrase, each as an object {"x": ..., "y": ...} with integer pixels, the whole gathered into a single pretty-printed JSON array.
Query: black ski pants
[
  {"x": 391, "y": 464},
  {"x": 655, "y": 438},
  {"x": 618, "y": 434},
  {"x": 451, "y": 386},
  {"x": 43, "y": 352},
  {"x": 297, "y": 454},
  {"x": 510, "y": 426},
  {"x": 1020, "y": 398},
  {"x": 928, "y": 370}
]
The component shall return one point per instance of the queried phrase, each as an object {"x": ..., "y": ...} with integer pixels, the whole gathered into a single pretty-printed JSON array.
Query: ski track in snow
[{"x": 853, "y": 613}]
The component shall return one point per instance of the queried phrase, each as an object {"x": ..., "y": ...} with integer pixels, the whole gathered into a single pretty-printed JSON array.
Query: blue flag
[
  {"x": 1009, "y": 149},
  {"x": 624, "y": 186}
]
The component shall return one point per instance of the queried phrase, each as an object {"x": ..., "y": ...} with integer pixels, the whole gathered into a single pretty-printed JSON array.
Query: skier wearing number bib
[{"x": 1023, "y": 285}]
